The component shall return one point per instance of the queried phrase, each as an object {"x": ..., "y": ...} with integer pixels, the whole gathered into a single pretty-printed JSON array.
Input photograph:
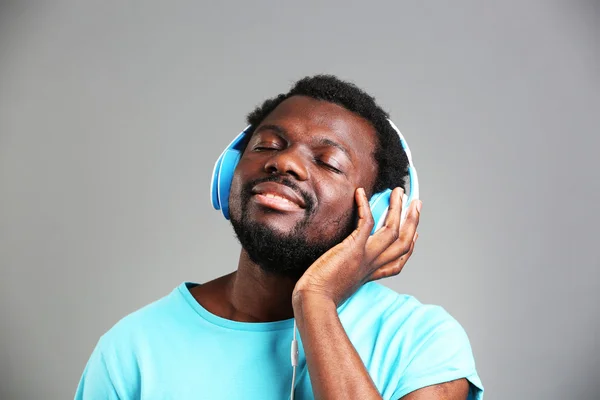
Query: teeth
[{"x": 276, "y": 197}]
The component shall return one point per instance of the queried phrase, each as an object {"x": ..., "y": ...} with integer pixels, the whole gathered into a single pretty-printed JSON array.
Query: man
[{"x": 299, "y": 205}]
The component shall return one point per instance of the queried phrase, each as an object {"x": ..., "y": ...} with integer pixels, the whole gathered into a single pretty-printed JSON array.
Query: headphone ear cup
[
  {"x": 214, "y": 184},
  {"x": 229, "y": 161},
  {"x": 380, "y": 204},
  {"x": 222, "y": 176}
]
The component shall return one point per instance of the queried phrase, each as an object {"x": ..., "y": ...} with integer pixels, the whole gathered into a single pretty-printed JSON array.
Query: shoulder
[
  {"x": 415, "y": 344},
  {"x": 143, "y": 321},
  {"x": 113, "y": 369},
  {"x": 378, "y": 303},
  {"x": 403, "y": 320},
  {"x": 124, "y": 345}
]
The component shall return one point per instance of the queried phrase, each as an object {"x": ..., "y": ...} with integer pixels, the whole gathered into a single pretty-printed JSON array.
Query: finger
[
  {"x": 392, "y": 220},
  {"x": 397, "y": 250},
  {"x": 394, "y": 267},
  {"x": 365, "y": 218},
  {"x": 408, "y": 229},
  {"x": 390, "y": 230},
  {"x": 407, "y": 234}
]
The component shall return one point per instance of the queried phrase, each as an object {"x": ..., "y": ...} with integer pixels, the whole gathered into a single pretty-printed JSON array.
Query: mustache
[{"x": 308, "y": 199}]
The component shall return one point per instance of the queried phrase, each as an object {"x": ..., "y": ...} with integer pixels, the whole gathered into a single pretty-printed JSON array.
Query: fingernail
[{"x": 419, "y": 205}]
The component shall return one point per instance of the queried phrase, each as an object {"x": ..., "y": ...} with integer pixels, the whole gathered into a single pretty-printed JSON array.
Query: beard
[{"x": 286, "y": 255}]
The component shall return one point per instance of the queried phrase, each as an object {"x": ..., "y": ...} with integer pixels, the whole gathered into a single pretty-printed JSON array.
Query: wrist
[{"x": 305, "y": 301}]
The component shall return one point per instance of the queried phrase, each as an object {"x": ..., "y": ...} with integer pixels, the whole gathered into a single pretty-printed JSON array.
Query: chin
[
  {"x": 282, "y": 253},
  {"x": 283, "y": 223}
]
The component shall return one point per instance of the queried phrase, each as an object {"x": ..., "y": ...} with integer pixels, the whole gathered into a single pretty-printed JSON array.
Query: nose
[{"x": 288, "y": 162}]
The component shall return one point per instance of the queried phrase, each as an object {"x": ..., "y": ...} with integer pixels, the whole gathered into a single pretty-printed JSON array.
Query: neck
[{"x": 258, "y": 296}]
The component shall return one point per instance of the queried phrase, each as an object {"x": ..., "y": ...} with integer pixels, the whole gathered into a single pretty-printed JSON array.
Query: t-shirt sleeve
[
  {"x": 442, "y": 354},
  {"x": 96, "y": 382}
]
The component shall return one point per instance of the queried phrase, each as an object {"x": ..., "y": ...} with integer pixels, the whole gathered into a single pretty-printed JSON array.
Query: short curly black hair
[{"x": 392, "y": 162}]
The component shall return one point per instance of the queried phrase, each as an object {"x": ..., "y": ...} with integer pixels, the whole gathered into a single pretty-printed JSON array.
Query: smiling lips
[{"x": 277, "y": 196}]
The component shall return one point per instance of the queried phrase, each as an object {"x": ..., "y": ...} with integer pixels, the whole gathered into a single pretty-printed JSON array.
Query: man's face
[{"x": 292, "y": 194}]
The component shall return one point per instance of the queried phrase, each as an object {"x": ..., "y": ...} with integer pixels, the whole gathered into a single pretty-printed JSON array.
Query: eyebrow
[
  {"x": 329, "y": 142},
  {"x": 320, "y": 140},
  {"x": 269, "y": 127}
]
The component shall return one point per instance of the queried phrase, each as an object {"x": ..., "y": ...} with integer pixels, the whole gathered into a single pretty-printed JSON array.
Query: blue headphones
[{"x": 379, "y": 202}]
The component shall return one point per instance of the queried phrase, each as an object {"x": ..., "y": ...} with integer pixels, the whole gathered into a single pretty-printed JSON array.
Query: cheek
[
  {"x": 235, "y": 193},
  {"x": 334, "y": 214}
]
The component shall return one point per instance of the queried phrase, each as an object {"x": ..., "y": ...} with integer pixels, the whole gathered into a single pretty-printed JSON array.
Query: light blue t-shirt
[{"x": 175, "y": 349}]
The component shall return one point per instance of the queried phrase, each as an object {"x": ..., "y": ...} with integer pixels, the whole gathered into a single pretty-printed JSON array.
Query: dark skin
[{"x": 328, "y": 152}]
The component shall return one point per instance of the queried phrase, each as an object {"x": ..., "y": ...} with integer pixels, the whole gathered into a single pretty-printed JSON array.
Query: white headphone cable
[{"x": 294, "y": 357}]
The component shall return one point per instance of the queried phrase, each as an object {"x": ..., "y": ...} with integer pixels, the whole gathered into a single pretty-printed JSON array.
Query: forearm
[{"x": 336, "y": 370}]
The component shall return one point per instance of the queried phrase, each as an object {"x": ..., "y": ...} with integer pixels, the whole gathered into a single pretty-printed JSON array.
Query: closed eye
[
  {"x": 328, "y": 166},
  {"x": 264, "y": 148}
]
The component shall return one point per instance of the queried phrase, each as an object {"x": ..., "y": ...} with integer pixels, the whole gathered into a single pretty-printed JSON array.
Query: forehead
[{"x": 305, "y": 117}]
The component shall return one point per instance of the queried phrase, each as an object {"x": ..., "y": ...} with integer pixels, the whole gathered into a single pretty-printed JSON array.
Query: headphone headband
[{"x": 412, "y": 171}]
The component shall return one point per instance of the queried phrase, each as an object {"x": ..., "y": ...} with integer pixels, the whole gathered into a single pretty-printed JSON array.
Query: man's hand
[{"x": 361, "y": 258}]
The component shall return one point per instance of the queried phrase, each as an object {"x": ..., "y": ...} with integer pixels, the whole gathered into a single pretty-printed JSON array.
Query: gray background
[{"x": 112, "y": 115}]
